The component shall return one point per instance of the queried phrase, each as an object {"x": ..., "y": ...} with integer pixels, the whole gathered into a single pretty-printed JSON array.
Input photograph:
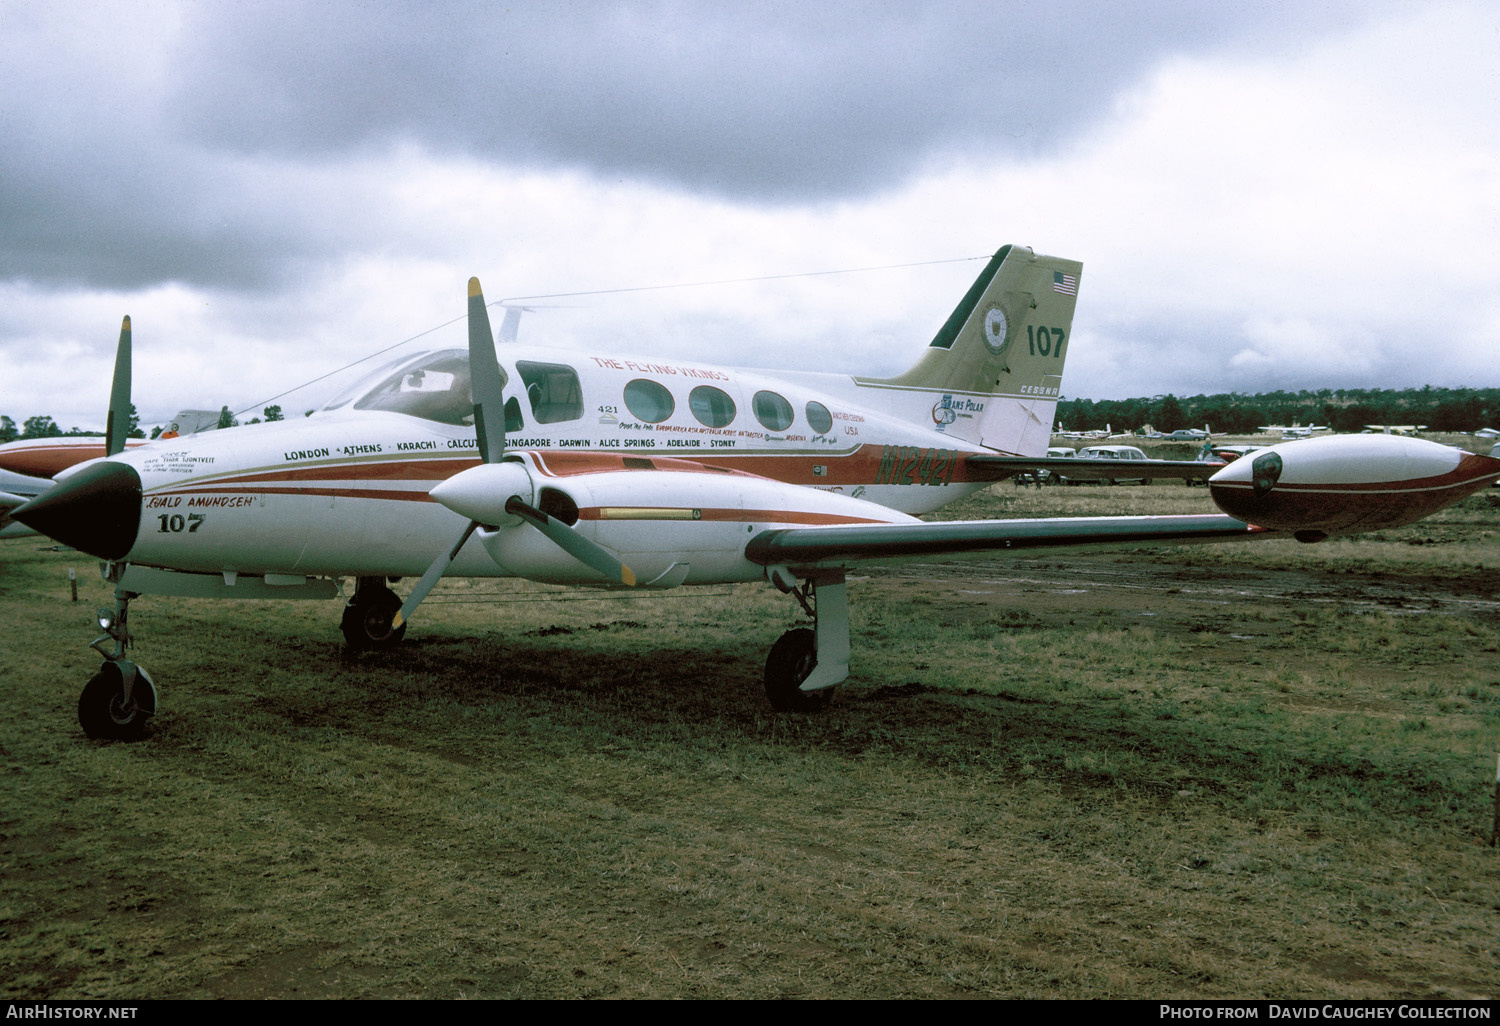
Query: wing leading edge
[{"x": 826, "y": 547}]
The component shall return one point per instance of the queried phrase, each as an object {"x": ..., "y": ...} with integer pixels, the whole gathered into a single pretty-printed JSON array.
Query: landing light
[{"x": 106, "y": 618}]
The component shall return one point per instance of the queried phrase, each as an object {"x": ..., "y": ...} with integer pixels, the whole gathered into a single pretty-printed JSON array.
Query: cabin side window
[
  {"x": 773, "y": 412},
  {"x": 711, "y": 406},
  {"x": 649, "y": 401},
  {"x": 553, "y": 391}
]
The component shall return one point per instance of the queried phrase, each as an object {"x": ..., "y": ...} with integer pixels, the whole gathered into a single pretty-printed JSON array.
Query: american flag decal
[{"x": 1067, "y": 284}]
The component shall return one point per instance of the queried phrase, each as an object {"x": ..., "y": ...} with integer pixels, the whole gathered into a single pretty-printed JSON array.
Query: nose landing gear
[
  {"x": 120, "y": 698},
  {"x": 369, "y": 617}
]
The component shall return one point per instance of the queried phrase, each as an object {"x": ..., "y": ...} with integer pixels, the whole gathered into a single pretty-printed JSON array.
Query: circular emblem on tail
[{"x": 994, "y": 330}]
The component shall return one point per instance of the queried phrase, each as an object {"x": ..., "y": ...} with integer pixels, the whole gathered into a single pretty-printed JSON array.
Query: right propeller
[{"x": 498, "y": 489}]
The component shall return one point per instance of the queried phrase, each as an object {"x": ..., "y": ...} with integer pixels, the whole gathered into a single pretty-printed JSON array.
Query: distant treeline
[
  {"x": 42, "y": 426},
  {"x": 1344, "y": 409}
]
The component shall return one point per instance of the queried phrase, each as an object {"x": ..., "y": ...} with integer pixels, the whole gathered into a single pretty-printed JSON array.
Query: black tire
[
  {"x": 102, "y": 712},
  {"x": 792, "y": 658},
  {"x": 368, "y": 618}
]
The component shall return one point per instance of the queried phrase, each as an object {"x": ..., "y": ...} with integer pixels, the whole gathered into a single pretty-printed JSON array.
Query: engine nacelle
[
  {"x": 671, "y": 521},
  {"x": 1341, "y": 484}
]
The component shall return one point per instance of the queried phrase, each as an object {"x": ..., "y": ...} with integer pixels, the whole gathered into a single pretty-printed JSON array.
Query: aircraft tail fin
[{"x": 993, "y": 372}]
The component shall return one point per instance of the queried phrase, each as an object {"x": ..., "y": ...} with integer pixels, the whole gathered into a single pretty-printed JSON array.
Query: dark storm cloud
[
  {"x": 764, "y": 101},
  {"x": 206, "y": 147},
  {"x": 145, "y": 223}
]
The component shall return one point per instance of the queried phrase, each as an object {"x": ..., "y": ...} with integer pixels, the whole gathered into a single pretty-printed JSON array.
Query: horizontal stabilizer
[{"x": 998, "y": 468}]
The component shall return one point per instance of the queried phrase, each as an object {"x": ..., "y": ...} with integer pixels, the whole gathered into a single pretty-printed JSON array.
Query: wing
[
  {"x": 1310, "y": 490},
  {"x": 817, "y": 547},
  {"x": 20, "y": 486},
  {"x": 16, "y": 490}
]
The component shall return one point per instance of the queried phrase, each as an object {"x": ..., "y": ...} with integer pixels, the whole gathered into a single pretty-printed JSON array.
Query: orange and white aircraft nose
[
  {"x": 96, "y": 509},
  {"x": 1321, "y": 486}
]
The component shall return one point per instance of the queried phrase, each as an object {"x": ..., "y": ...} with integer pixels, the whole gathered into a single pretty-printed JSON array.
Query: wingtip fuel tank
[{"x": 1318, "y": 487}]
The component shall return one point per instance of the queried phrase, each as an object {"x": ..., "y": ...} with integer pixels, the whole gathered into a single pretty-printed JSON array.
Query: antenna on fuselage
[{"x": 511, "y": 326}]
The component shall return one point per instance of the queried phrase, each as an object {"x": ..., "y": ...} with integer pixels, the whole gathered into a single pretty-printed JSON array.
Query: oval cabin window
[
  {"x": 711, "y": 406},
  {"x": 773, "y": 412},
  {"x": 649, "y": 401}
]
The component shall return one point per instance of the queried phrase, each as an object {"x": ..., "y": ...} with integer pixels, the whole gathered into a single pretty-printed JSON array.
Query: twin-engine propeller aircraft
[{"x": 609, "y": 472}]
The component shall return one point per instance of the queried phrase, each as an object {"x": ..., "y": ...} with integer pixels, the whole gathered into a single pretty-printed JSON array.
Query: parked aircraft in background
[
  {"x": 1104, "y": 432},
  {"x": 613, "y": 472},
  {"x": 1294, "y": 431},
  {"x": 48, "y": 457},
  {"x": 1410, "y": 430}
]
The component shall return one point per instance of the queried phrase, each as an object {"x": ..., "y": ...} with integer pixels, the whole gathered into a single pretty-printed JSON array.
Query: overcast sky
[{"x": 1263, "y": 195}]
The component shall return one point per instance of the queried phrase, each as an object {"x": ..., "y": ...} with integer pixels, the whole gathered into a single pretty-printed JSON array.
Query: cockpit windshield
[
  {"x": 436, "y": 388},
  {"x": 433, "y": 386}
]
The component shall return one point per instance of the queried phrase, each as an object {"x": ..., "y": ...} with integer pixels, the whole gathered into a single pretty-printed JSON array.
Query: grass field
[{"x": 1262, "y": 771}]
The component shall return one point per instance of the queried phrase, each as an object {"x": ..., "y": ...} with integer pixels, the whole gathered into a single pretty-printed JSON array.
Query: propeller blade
[
  {"x": 471, "y": 491},
  {"x": 429, "y": 580},
  {"x": 593, "y": 556},
  {"x": 117, "y": 425},
  {"x": 485, "y": 383}
]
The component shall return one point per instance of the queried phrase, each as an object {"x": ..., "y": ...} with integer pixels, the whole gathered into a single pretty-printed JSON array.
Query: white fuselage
[{"x": 345, "y": 491}]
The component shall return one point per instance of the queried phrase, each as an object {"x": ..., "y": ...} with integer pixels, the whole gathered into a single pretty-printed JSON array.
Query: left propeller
[
  {"x": 497, "y": 491},
  {"x": 118, "y": 428}
]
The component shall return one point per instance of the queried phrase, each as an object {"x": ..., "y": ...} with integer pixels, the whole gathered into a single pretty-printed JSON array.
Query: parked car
[
  {"x": 1123, "y": 453},
  {"x": 1056, "y": 452}
]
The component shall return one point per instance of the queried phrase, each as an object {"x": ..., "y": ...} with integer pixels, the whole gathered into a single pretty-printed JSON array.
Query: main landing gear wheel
[
  {"x": 792, "y": 658},
  {"x": 368, "y": 617},
  {"x": 103, "y": 712}
]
